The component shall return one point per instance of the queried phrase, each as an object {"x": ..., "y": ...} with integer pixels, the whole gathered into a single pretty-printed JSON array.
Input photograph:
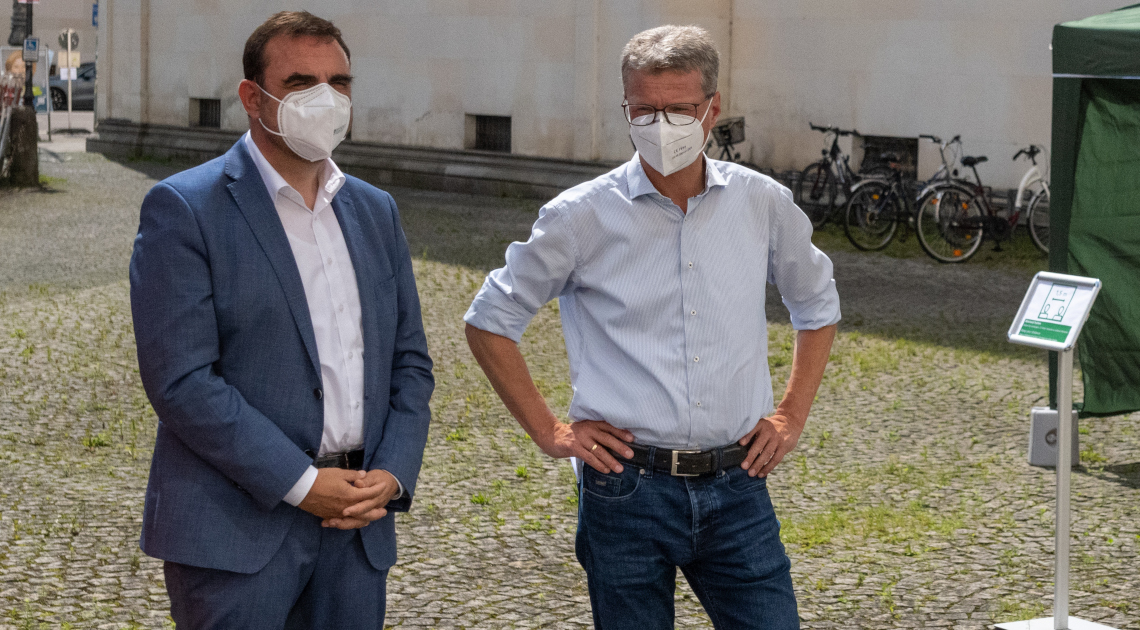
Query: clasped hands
[
  {"x": 350, "y": 499},
  {"x": 771, "y": 439}
]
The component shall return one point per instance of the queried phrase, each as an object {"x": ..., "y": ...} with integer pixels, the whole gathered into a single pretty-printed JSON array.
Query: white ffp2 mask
[
  {"x": 670, "y": 148},
  {"x": 312, "y": 121}
]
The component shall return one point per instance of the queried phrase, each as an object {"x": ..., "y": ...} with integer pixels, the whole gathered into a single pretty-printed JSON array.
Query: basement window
[
  {"x": 487, "y": 133},
  {"x": 206, "y": 112}
]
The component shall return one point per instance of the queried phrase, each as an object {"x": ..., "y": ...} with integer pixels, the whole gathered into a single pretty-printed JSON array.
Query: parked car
[{"x": 82, "y": 89}]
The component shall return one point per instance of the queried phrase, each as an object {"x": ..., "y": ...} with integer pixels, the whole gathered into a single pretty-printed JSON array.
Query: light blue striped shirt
[{"x": 663, "y": 311}]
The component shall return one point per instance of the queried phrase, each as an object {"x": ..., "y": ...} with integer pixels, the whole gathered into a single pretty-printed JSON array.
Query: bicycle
[
  {"x": 727, "y": 134},
  {"x": 817, "y": 190},
  {"x": 954, "y": 217},
  {"x": 874, "y": 210},
  {"x": 1035, "y": 184},
  {"x": 878, "y": 205}
]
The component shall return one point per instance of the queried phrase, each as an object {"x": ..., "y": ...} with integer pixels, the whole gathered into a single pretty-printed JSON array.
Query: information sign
[{"x": 1055, "y": 308}]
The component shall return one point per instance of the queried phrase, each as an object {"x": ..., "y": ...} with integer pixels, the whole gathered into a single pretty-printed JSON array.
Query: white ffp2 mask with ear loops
[
  {"x": 313, "y": 121},
  {"x": 670, "y": 148}
]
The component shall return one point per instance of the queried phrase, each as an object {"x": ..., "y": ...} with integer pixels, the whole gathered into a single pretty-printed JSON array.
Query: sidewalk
[{"x": 65, "y": 138}]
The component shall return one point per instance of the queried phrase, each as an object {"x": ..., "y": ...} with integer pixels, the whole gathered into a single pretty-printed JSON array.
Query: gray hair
[{"x": 670, "y": 47}]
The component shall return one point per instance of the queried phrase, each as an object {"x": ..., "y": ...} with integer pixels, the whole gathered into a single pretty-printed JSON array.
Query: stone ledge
[{"x": 475, "y": 172}]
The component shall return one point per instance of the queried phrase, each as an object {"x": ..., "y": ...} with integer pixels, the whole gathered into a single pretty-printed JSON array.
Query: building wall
[{"x": 979, "y": 68}]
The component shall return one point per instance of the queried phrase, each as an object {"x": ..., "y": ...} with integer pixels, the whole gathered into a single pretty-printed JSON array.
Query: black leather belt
[
  {"x": 352, "y": 460},
  {"x": 681, "y": 463}
]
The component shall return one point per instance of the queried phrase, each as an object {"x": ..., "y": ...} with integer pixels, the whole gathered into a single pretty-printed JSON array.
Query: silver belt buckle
[{"x": 673, "y": 469}]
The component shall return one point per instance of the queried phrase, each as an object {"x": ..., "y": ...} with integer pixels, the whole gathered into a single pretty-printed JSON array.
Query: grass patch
[
  {"x": 911, "y": 523},
  {"x": 1017, "y": 254},
  {"x": 1013, "y": 609}
]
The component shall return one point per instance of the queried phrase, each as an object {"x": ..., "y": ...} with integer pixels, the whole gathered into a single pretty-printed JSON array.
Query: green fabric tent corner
[{"x": 1094, "y": 210}]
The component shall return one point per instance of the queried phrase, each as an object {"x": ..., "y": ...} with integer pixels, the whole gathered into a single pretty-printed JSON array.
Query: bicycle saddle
[{"x": 970, "y": 160}]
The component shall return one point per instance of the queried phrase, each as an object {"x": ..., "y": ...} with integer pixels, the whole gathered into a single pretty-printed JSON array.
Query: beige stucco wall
[{"x": 979, "y": 68}]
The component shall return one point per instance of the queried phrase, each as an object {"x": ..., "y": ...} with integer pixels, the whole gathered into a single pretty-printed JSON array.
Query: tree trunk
[{"x": 23, "y": 147}]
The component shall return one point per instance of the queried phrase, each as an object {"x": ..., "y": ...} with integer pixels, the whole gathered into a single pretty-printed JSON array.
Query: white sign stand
[{"x": 1051, "y": 316}]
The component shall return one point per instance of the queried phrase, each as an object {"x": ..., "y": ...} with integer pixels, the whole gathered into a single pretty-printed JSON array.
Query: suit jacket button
[{"x": 318, "y": 394}]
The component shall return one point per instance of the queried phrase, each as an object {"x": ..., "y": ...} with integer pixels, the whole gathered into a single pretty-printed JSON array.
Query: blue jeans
[{"x": 636, "y": 527}]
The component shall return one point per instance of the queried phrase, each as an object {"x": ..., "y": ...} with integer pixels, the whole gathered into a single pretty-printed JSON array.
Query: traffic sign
[
  {"x": 63, "y": 38},
  {"x": 95, "y": 14},
  {"x": 31, "y": 50},
  {"x": 28, "y": 1}
]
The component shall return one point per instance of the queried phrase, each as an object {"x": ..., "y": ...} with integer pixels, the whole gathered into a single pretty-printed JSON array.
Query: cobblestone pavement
[{"x": 907, "y": 504}]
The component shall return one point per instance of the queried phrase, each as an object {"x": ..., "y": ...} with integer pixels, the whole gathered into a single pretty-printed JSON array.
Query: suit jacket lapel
[
  {"x": 253, "y": 200},
  {"x": 364, "y": 264},
  {"x": 364, "y": 253}
]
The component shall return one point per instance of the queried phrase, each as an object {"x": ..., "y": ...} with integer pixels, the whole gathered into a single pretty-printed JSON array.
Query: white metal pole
[
  {"x": 47, "y": 90},
  {"x": 1064, "y": 470},
  {"x": 69, "y": 32}
]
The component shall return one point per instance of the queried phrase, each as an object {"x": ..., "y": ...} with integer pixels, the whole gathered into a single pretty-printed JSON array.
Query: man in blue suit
[{"x": 281, "y": 345}]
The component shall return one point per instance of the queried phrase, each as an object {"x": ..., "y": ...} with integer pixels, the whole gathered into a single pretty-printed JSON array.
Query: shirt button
[
  {"x": 350, "y": 354},
  {"x": 340, "y": 308},
  {"x": 698, "y": 403},
  {"x": 357, "y": 405},
  {"x": 696, "y": 359},
  {"x": 692, "y": 312},
  {"x": 318, "y": 394},
  {"x": 690, "y": 264}
]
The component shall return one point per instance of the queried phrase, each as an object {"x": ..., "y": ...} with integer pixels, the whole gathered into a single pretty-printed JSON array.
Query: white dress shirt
[
  {"x": 334, "y": 306},
  {"x": 663, "y": 310}
]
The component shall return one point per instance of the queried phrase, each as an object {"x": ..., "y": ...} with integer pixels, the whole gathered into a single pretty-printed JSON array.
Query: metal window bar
[
  {"x": 493, "y": 133},
  {"x": 209, "y": 112}
]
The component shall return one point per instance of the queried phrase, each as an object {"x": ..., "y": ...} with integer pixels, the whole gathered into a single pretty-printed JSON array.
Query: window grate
[
  {"x": 904, "y": 149},
  {"x": 493, "y": 133},
  {"x": 206, "y": 112}
]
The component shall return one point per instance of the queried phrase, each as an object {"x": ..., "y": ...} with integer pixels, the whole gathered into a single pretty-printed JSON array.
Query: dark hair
[{"x": 288, "y": 23}]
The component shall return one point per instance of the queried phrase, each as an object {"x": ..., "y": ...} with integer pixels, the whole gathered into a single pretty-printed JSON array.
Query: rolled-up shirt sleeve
[
  {"x": 536, "y": 272},
  {"x": 802, "y": 273}
]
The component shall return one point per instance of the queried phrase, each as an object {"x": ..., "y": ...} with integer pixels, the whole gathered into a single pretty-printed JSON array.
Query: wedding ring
[{"x": 594, "y": 447}]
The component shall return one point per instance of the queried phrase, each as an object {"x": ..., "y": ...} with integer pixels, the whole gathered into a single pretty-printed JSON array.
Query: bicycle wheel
[
  {"x": 879, "y": 171},
  {"x": 1037, "y": 219},
  {"x": 815, "y": 193},
  {"x": 949, "y": 224},
  {"x": 872, "y": 215}
]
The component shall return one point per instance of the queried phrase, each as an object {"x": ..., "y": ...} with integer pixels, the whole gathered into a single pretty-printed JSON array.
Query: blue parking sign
[
  {"x": 32, "y": 49},
  {"x": 95, "y": 14}
]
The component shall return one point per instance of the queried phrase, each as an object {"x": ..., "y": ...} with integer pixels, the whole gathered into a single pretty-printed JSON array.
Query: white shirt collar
[
  {"x": 331, "y": 177},
  {"x": 638, "y": 182}
]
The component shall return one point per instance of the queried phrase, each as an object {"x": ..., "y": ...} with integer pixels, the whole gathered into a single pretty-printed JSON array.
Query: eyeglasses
[{"x": 677, "y": 114}]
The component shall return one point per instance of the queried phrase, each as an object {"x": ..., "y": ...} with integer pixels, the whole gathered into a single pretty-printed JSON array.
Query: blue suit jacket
[{"x": 229, "y": 361}]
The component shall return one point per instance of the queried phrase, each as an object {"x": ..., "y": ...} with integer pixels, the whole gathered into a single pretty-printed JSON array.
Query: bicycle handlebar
[
  {"x": 937, "y": 140},
  {"x": 1030, "y": 152},
  {"x": 836, "y": 130}
]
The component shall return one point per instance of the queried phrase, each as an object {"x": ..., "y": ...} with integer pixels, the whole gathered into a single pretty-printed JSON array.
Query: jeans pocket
[
  {"x": 610, "y": 486},
  {"x": 739, "y": 481}
]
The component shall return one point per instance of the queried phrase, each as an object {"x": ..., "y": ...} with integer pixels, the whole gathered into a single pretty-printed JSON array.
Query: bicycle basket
[{"x": 729, "y": 131}]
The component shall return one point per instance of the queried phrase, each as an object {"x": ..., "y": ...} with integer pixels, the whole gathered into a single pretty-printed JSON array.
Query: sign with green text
[{"x": 1054, "y": 310}]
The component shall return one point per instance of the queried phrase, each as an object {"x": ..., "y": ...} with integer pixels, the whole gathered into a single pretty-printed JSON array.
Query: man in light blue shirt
[{"x": 660, "y": 268}]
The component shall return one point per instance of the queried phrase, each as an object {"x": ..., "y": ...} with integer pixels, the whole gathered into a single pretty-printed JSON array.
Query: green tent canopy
[{"x": 1094, "y": 209}]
